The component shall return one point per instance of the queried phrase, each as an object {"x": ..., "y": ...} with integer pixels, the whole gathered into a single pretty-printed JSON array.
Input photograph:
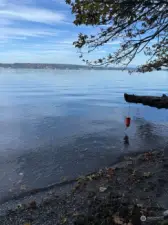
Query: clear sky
[{"x": 42, "y": 31}]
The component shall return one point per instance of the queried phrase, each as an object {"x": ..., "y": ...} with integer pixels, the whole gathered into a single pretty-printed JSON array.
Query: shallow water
[{"x": 62, "y": 124}]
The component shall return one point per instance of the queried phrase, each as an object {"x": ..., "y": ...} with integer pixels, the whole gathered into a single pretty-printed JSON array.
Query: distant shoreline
[
  {"x": 61, "y": 66},
  {"x": 55, "y": 66}
]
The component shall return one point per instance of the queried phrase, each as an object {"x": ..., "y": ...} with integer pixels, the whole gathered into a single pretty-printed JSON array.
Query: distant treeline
[
  {"x": 57, "y": 66},
  {"x": 53, "y": 66}
]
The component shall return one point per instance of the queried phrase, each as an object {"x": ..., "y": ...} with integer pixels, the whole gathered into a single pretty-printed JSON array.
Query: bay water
[{"x": 60, "y": 124}]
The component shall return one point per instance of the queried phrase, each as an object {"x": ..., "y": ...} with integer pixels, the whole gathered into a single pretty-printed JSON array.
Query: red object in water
[{"x": 127, "y": 121}]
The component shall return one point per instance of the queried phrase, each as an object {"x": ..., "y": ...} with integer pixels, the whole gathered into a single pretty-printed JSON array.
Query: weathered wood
[{"x": 153, "y": 101}]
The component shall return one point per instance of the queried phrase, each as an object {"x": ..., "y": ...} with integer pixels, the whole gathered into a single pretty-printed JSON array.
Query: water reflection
[
  {"x": 148, "y": 133},
  {"x": 126, "y": 141}
]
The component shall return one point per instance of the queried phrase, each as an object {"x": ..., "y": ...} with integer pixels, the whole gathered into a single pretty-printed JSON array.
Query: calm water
[{"x": 56, "y": 124}]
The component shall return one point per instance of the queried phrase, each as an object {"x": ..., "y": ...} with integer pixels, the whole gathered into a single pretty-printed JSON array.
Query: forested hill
[{"x": 53, "y": 66}]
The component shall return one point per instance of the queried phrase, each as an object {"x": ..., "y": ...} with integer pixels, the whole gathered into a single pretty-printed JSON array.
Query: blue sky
[{"x": 42, "y": 31}]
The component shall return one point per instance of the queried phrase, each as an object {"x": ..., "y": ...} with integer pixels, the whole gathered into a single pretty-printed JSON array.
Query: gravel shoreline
[{"x": 136, "y": 186}]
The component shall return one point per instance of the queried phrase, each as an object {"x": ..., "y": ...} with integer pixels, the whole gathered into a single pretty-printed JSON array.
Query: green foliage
[{"x": 140, "y": 26}]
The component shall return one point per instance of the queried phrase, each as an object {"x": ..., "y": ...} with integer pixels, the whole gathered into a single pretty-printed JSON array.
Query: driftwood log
[{"x": 153, "y": 101}]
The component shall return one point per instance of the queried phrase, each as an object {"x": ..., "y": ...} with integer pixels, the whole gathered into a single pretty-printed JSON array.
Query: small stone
[
  {"x": 33, "y": 205},
  {"x": 117, "y": 220},
  {"x": 140, "y": 205},
  {"x": 102, "y": 189},
  {"x": 147, "y": 174},
  {"x": 151, "y": 186},
  {"x": 80, "y": 220},
  {"x": 91, "y": 194},
  {"x": 165, "y": 213},
  {"x": 143, "y": 218}
]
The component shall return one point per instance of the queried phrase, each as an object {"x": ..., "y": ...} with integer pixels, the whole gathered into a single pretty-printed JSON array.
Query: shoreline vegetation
[{"x": 135, "y": 187}]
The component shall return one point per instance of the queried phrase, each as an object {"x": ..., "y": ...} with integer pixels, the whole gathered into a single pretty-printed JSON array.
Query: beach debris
[
  {"x": 102, "y": 189},
  {"x": 21, "y": 174},
  {"x": 75, "y": 214},
  {"x": 110, "y": 172},
  {"x": 64, "y": 220},
  {"x": 91, "y": 177},
  {"x": 148, "y": 155},
  {"x": 147, "y": 174},
  {"x": 118, "y": 220},
  {"x": 81, "y": 179},
  {"x": 134, "y": 172}
]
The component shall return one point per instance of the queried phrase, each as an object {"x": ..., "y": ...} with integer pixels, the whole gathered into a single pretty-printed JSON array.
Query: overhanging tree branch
[{"x": 136, "y": 24}]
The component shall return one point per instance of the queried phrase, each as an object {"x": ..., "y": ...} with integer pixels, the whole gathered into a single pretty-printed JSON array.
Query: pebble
[
  {"x": 33, "y": 205},
  {"x": 143, "y": 218},
  {"x": 91, "y": 194},
  {"x": 102, "y": 189},
  {"x": 165, "y": 213},
  {"x": 80, "y": 220}
]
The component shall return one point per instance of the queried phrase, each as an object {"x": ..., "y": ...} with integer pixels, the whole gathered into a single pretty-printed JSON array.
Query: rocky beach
[{"x": 133, "y": 191}]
